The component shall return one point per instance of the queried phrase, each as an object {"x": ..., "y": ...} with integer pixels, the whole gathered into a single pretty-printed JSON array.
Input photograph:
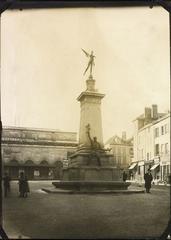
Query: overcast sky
[{"x": 42, "y": 65}]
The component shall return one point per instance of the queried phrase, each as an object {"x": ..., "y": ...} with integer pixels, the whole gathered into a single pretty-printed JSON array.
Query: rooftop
[
  {"x": 118, "y": 140},
  {"x": 35, "y": 129}
]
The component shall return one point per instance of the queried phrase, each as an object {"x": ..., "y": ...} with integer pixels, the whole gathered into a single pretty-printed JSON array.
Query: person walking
[
  {"x": 148, "y": 179},
  {"x": 6, "y": 180},
  {"x": 23, "y": 185},
  {"x": 124, "y": 177},
  {"x": 26, "y": 187}
]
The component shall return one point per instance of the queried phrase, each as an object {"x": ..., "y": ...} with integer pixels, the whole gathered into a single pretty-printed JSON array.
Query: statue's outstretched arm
[{"x": 86, "y": 53}]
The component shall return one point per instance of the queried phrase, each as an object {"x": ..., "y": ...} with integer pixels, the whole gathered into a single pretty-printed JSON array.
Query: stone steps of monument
[{"x": 58, "y": 191}]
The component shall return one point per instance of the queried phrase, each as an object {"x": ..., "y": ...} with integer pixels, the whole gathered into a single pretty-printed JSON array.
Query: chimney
[
  {"x": 147, "y": 115},
  {"x": 124, "y": 136},
  {"x": 154, "y": 112}
]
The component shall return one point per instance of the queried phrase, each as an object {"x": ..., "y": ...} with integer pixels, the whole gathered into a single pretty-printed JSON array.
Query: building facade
[
  {"x": 151, "y": 145},
  {"x": 40, "y": 153},
  {"x": 122, "y": 149}
]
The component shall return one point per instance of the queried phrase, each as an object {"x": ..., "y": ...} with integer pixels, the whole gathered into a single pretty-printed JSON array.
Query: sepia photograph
[{"x": 85, "y": 111}]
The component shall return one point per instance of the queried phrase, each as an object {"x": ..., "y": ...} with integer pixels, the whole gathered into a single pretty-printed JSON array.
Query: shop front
[
  {"x": 165, "y": 172},
  {"x": 155, "y": 169},
  {"x": 132, "y": 170}
]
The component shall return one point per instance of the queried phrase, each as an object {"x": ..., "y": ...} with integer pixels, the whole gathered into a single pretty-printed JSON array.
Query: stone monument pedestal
[
  {"x": 91, "y": 174},
  {"x": 88, "y": 173},
  {"x": 91, "y": 167},
  {"x": 91, "y": 186}
]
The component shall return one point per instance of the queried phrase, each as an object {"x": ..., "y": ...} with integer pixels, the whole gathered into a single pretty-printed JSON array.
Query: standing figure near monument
[
  {"x": 23, "y": 185},
  {"x": 26, "y": 187},
  {"x": 90, "y": 63},
  {"x": 6, "y": 180},
  {"x": 148, "y": 179}
]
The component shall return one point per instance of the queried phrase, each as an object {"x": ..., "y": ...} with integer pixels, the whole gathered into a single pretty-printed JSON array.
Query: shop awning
[
  {"x": 154, "y": 166},
  {"x": 133, "y": 165}
]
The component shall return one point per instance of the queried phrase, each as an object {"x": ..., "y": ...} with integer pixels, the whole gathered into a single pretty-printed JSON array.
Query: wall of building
[
  {"x": 36, "y": 153},
  {"x": 39, "y": 153},
  {"x": 163, "y": 142},
  {"x": 152, "y": 136},
  {"x": 122, "y": 154},
  {"x": 17, "y": 133},
  {"x": 122, "y": 150}
]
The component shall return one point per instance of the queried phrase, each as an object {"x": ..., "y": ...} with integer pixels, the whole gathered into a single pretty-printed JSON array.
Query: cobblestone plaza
[{"x": 86, "y": 216}]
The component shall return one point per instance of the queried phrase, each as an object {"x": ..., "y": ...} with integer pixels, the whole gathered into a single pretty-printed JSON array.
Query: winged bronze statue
[{"x": 90, "y": 63}]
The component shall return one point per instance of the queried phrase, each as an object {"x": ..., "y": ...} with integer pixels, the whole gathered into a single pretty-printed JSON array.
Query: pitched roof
[
  {"x": 142, "y": 116},
  {"x": 118, "y": 140}
]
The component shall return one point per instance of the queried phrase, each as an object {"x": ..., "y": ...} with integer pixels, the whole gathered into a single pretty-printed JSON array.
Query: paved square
[{"x": 76, "y": 216}]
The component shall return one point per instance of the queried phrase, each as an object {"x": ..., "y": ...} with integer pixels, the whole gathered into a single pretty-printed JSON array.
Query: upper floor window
[
  {"x": 166, "y": 147},
  {"x": 156, "y": 149},
  {"x": 142, "y": 154},
  {"x": 162, "y": 148},
  {"x": 156, "y": 132},
  {"x": 162, "y": 130},
  {"x": 131, "y": 151}
]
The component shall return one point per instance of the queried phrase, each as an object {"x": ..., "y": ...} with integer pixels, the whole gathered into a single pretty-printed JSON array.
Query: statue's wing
[{"x": 87, "y": 54}]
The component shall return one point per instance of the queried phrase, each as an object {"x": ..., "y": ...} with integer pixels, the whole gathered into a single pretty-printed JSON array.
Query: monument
[{"x": 91, "y": 167}]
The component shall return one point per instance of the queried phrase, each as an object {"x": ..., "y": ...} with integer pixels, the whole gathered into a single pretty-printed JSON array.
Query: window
[
  {"x": 156, "y": 149},
  {"x": 139, "y": 170},
  {"x": 162, "y": 130},
  {"x": 131, "y": 151},
  {"x": 162, "y": 148},
  {"x": 142, "y": 154},
  {"x": 36, "y": 173},
  {"x": 166, "y": 148},
  {"x": 168, "y": 167},
  {"x": 156, "y": 132}
]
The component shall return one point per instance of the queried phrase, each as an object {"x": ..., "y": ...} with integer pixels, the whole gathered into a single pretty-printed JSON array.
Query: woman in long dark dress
[
  {"x": 6, "y": 180},
  {"x": 23, "y": 185},
  {"x": 26, "y": 186}
]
